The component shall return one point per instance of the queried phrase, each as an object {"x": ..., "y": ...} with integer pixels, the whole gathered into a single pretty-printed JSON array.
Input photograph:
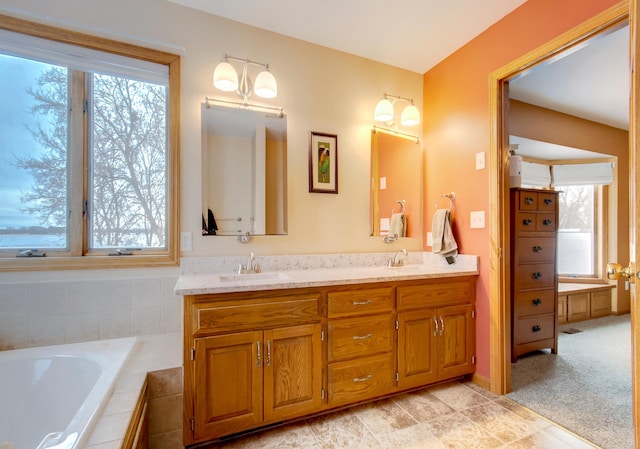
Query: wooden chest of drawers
[{"x": 534, "y": 226}]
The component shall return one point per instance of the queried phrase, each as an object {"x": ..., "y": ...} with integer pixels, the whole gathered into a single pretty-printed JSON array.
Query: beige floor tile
[
  {"x": 418, "y": 436},
  {"x": 500, "y": 422},
  {"x": 544, "y": 440},
  {"x": 342, "y": 430},
  {"x": 458, "y": 396},
  {"x": 384, "y": 416},
  {"x": 423, "y": 406},
  {"x": 457, "y": 431},
  {"x": 292, "y": 436}
]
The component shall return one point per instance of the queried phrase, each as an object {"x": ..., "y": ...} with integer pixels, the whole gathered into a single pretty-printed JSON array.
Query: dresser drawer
[
  {"x": 546, "y": 222},
  {"x": 534, "y": 302},
  {"x": 534, "y": 276},
  {"x": 534, "y": 328},
  {"x": 547, "y": 201},
  {"x": 360, "y": 302},
  {"x": 525, "y": 222},
  {"x": 527, "y": 200},
  {"x": 360, "y": 379},
  {"x": 535, "y": 249},
  {"x": 357, "y": 337}
]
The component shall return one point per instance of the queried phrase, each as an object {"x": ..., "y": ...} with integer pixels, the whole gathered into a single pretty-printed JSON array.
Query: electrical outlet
[
  {"x": 477, "y": 219},
  {"x": 185, "y": 241},
  {"x": 480, "y": 163},
  {"x": 429, "y": 238}
]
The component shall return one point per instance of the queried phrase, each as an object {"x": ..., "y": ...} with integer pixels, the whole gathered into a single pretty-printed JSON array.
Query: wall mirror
[
  {"x": 244, "y": 171},
  {"x": 396, "y": 185}
]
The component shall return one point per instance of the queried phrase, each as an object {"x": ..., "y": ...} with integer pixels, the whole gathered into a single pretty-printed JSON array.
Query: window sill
[{"x": 87, "y": 262}]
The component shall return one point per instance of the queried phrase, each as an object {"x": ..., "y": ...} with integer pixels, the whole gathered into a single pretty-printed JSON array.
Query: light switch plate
[
  {"x": 185, "y": 241},
  {"x": 477, "y": 219},
  {"x": 429, "y": 238},
  {"x": 383, "y": 183},
  {"x": 480, "y": 162}
]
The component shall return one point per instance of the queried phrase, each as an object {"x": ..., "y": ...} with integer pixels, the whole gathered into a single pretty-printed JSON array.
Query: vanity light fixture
[
  {"x": 225, "y": 78},
  {"x": 384, "y": 111}
]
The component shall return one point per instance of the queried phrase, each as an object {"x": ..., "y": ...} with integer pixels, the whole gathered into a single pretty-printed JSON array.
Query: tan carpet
[{"x": 586, "y": 387}]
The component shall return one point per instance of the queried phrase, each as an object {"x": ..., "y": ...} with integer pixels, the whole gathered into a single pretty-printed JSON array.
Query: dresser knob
[
  {"x": 528, "y": 200},
  {"x": 536, "y": 328},
  {"x": 536, "y": 302},
  {"x": 536, "y": 275},
  {"x": 548, "y": 201},
  {"x": 547, "y": 222},
  {"x": 537, "y": 249},
  {"x": 527, "y": 221}
]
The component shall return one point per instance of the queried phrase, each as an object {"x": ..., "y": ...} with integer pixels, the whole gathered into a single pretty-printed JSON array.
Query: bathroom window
[{"x": 88, "y": 163}]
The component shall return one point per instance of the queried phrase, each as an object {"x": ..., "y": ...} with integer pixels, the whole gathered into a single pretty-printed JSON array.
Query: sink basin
[{"x": 268, "y": 276}]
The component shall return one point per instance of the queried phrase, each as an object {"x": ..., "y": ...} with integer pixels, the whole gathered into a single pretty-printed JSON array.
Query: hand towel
[
  {"x": 398, "y": 225},
  {"x": 443, "y": 241}
]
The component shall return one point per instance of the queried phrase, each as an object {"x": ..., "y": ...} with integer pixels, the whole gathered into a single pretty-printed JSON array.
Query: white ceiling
[{"x": 592, "y": 83}]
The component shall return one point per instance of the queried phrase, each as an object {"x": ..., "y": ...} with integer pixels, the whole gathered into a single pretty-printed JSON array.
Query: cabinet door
[
  {"x": 417, "y": 346},
  {"x": 228, "y": 384},
  {"x": 456, "y": 340},
  {"x": 292, "y": 371}
]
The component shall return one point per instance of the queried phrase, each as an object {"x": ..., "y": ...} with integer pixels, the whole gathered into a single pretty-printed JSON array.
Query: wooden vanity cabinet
[
  {"x": 268, "y": 372},
  {"x": 258, "y": 358},
  {"x": 436, "y": 332}
]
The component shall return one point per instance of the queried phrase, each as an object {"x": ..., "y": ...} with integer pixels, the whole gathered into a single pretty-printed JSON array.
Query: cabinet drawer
[
  {"x": 534, "y": 302},
  {"x": 547, "y": 201},
  {"x": 357, "y": 337},
  {"x": 535, "y": 249},
  {"x": 600, "y": 303},
  {"x": 437, "y": 294},
  {"x": 536, "y": 275},
  {"x": 527, "y": 200},
  {"x": 360, "y": 302},
  {"x": 525, "y": 222},
  {"x": 578, "y": 307},
  {"x": 232, "y": 316},
  {"x": 534, "y": 328},
  {"x": 546, "y": 222},
  {"x": 360, "y": 379}
]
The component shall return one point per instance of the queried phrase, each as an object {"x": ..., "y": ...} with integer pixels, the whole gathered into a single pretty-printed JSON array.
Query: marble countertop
[{"x": 224, "y": 282}]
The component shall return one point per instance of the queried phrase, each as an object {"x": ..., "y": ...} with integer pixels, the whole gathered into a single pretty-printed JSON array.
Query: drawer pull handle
[
  {"x": 537, "y": 249},
  {"x": 536, "y": 302},
  {"x": 528, "y": 200},
  {"x": 435, "y": 329},
  {"x": 362, "y": 337},
  {"x": 441, "y": 325},
  {"x": 548, "y": 201},
  {"x": 268, "y": 352},
  {"x": 536, "y": 275},
  {"x": 536, "y": 328},
  {"x": 547, "y": 221},
  {"x": 362, "y": 379},
  {"x": 361, "y": 303},
  {"x": 259, "y": 356},
  {"x": 527, "y": 222}
]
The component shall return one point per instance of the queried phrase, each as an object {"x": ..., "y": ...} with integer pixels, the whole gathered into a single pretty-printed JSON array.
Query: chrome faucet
[
  {"x": 398, "y": 258},
  {"x": 251, "y": 266}
]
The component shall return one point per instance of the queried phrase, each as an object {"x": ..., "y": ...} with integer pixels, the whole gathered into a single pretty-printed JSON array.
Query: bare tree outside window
[{"x": 576, "y": 230}]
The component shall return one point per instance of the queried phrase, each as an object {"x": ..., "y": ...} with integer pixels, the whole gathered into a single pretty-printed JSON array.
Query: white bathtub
[{"x": 51, "y": 397}]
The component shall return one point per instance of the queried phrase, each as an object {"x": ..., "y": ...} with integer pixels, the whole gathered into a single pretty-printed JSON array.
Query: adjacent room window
[
  {"x": 578, "y": 238},
  {"x": 88, "y": 162}
]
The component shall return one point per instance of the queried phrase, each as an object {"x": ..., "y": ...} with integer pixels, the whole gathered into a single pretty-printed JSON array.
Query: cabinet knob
[
  {"x": 527, "y": 222},
  {"x": 537, "y": 249},
  {"x": 547, "y": 222},
  {"x": 548, "y": 201},
  {"x": 528, "y": 200},
  {"x": 536, "y": 302},
  {"x": 536, "y": 328},
  {"x": 536, "y": 275}
]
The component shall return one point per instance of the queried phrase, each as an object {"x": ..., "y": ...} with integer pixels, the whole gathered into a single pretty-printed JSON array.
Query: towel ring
[
  {"x": 450, "y": 196},
  {"x": 403, "y": 205}
]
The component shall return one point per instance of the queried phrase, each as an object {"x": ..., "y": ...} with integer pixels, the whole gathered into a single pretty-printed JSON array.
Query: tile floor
[{"x": 456, "y": 415}]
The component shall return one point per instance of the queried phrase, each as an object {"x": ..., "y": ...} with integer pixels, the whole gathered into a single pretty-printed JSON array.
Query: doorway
[{"x": 500, "y": 258}]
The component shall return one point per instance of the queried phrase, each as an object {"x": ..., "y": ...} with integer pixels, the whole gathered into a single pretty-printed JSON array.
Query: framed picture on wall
[{"x": 323, "y": 163}]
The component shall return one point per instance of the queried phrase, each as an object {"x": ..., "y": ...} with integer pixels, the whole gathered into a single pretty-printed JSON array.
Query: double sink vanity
[{"x": 308, "y": 334}]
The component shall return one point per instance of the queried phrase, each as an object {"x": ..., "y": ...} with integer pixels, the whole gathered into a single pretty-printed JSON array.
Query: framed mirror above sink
[
  {"x": 396, "y": 185},
  {"x": 244, "y": 171}
]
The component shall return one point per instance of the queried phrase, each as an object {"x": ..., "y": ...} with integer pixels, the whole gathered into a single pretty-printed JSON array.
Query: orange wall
[{"x": 456, "y": 125}]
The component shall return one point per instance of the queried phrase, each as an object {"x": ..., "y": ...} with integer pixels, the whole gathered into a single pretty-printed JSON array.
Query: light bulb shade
[
  {"x": 383, "y": 111},
  {"x": 410, "y": 116},
  {"x": 225, "y": 77},
  {"x": 265, "y": 85}
]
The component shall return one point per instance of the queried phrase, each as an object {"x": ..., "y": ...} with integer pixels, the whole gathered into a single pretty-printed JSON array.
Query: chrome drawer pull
[
  {"x": 527, "y": 222},
  {"x": 537, "y": 249},
  {"x": 536, "y": 328},
  {"x": 362, "y": 337},
  {"x": 361, "y": 303},
  {"x": 362, "y": 379},
  {"x": 441, "y": 326},
  {"x": 435, "y": 330},
  {"x": 536, "y": 302},
  {"x": 528, "y": 200},
  {"x": 536, "y": 275}
]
